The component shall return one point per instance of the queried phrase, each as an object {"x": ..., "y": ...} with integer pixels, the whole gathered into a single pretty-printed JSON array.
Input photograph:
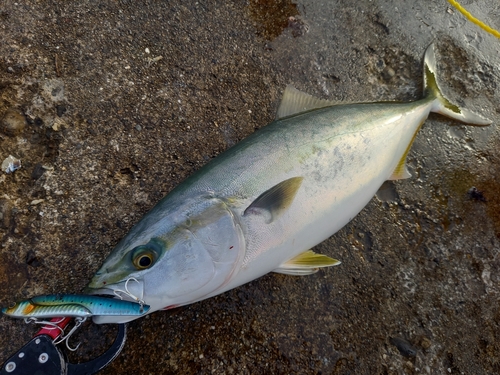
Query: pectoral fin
[
  {"x": 277, "y": 199},
  {"x": 306, "y": 263}
]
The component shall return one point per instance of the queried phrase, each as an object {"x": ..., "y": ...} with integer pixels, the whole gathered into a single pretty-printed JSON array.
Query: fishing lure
[
  {"x": 26, "y": 309},
  {"x": 74, "y": 305},
  {"x": 97, "y": 306}
]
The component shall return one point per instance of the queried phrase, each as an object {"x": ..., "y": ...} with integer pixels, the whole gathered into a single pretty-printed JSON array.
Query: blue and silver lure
[{"x": 74, "y": 305}]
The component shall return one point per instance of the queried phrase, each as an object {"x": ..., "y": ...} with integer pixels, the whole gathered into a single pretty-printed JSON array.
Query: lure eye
[{"x": 143, "y": 258}]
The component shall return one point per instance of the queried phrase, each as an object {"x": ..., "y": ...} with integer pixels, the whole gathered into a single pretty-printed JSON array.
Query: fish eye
[
  {"x": 143, "y": 257},
  {"x": 144, "y": 261}
]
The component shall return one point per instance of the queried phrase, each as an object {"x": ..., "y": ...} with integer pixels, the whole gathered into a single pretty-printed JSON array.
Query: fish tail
[{"x": 440, "y": 103}]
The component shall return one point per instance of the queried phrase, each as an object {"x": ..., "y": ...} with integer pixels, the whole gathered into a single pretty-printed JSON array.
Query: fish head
[{"x": 174, "y": 260}]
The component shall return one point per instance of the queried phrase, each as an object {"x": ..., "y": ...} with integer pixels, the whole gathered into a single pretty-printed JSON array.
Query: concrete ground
[{"x": 111, "y": 104}]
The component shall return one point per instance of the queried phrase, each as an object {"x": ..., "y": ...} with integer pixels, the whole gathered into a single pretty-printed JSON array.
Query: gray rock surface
[{"x": 124, "y": 99}]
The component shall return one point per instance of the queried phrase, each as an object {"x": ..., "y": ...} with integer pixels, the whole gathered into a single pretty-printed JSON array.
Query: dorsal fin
[
  {"x": 277, "y": 199},
  {"x": 295, "y": 101}
]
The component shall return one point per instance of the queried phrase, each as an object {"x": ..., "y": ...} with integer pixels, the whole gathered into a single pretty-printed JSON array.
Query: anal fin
[
  {"x": 306, "y": 263},
  {"x": 401, "y": 170}
]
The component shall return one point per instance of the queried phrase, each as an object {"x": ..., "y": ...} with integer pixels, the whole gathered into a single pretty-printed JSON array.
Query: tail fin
[{"x": 441, "y": 104}]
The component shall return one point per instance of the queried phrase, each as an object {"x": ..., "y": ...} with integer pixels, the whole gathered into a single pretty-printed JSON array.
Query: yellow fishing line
[{"x": 473, "y": 19}]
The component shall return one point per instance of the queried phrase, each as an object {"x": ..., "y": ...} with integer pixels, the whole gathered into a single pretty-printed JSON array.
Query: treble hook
[
  {"x": 78, "y": 322},
  {"x": 60, "y": 337},
  {"x": 127, "y": 292}
]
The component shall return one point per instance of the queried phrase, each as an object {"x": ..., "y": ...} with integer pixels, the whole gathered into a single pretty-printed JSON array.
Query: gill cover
[{"x": 204, "y": 252}]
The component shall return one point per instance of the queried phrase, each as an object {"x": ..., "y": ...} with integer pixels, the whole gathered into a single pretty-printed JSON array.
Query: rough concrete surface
[{"x": 111, "y": 104}]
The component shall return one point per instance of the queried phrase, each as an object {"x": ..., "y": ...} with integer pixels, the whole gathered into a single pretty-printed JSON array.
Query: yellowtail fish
[
  {"x": 74, "y": 305},
  {"x": 261, "y": 205}
]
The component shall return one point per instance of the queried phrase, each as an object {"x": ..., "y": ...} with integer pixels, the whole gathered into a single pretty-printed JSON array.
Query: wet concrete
[{"x": 123, "y": 100}]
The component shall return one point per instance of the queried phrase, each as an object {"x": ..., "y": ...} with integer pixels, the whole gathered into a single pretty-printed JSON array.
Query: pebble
[
  {"x": 60, "y": 110},
  {"x": 38, "y": 171},
  {"x": 388, "y": 73},
  {"x": 425, "y": 343},
  {"x": 13, "y": 122},
  {"x": 11, "y": 164},
  {"x": 405, "y": 348},
  {"x": 32, "y": 260}
]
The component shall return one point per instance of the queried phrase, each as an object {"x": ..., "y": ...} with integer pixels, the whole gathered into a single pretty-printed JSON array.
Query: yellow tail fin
[{"x": 441, "y": 104}]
